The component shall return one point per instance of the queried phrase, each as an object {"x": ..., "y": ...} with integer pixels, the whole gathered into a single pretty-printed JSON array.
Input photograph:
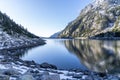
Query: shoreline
[{"x": 14, "y": 68}]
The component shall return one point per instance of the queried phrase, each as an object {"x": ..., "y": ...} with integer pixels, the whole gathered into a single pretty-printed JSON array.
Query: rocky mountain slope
[
  {"x": 13, "y": 35},
  {"x": 99, "y": 19}
]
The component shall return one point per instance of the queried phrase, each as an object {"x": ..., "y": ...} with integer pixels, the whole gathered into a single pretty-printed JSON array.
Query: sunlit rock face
[
  {"x": 99, "y": 17},
  {"x": 99, "y": 56}
]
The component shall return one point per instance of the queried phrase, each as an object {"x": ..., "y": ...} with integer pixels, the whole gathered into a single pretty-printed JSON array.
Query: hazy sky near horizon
[{"x": 43, "y": 17}]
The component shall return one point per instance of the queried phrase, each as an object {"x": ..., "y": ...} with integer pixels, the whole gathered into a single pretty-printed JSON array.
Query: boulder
[
  {"x": 10, "y": 72},
  {"x": 46, "y": 65},
  {"x": 29, "y": 63}
]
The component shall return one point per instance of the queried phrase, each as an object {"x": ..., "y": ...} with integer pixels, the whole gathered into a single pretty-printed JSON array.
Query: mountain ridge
[{"x": 99, "y": 17}]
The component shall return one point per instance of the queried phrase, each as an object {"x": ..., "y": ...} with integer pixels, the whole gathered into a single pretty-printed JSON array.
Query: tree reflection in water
[
  {"x": 16, "y": 53},
  {"x": 96, "y": 55}
]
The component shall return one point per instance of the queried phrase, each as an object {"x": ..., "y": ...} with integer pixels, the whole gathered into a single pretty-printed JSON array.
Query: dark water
[{"x": 100, "y": 56}]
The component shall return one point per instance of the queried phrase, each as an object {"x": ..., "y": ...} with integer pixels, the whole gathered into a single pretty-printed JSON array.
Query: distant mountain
[
  {"x": 13, "y": 35},
  {"x": 55, "y": 35},
  {"x": 99, "y": 19}
]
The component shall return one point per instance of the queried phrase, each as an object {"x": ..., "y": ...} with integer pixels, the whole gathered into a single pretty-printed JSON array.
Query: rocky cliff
[{"x": 100, "y": 18}]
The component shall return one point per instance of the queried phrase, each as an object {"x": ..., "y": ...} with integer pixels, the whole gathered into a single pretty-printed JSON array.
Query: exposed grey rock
[
  {"x": 26, "y": 77},
  {"x": 77, "y": 76},
  {"x": 50, "y": 77},
  {"x": 4, "y": 77},
  {"x": 10, "y": 72},
  {"x": 70, "y": 74},
  {"x": 29, "y": 63},
  {"x": 45, "y": 73}
]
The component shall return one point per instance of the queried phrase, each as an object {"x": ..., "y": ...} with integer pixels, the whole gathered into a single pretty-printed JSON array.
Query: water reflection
[
  {"x": 100, "y": 56},
  {"x": 16, "y": 53}
]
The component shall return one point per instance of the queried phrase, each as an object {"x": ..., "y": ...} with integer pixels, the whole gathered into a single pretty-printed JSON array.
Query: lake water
[{"x": 96, "y": 55}]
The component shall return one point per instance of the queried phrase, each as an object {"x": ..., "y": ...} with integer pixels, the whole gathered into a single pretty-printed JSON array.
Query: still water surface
[{"x": 96, "y": 55}]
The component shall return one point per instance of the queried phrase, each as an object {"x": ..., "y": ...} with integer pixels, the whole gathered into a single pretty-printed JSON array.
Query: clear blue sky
[{"x": 43, "y": 17}]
